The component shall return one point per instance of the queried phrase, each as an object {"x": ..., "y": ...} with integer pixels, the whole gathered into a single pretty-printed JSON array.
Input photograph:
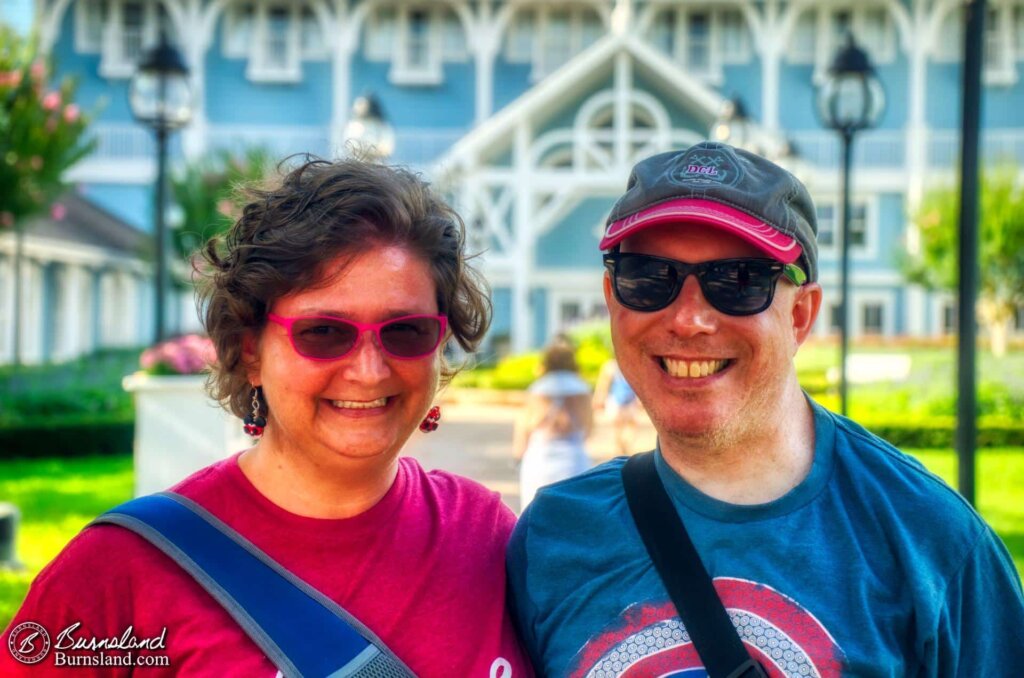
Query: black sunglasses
[{"x": 645, "y": 283}]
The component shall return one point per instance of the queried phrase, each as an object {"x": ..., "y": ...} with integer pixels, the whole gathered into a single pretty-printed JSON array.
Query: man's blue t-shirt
[{"x": 872, "y": 566}]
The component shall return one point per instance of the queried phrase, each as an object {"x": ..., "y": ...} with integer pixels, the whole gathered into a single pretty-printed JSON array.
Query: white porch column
[
  {"x": 916, "y": 48},
  {"x": 7, "y": 324},
  {"x": 770, "y": 43},
  {"x": 31, "y": 325},
  {"x": 345, "y": 45},
  {"x": 522, "y": 318},
  {"x": 485, "y": 45}
]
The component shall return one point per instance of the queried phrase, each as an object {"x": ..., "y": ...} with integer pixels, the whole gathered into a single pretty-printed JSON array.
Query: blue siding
[
  {"x": 943, "y": 95},
  {"x": 106, "y": 99},
  {"x": 896, "y": 84},
  {"x": 452, "y": 103},
  {"x": 510, "y": 81},
  {"x": 539, "y": 307},
  {"x": 744, "y": 80},
  {"x": 131, "y": 202},
  {"x": 899, "y": 309},
  {"x": 892, "y": 225},
  {"x": 233, "y": 99},
  {"x": 1003, "y": 105},
  {"x": 572, "y": 243},
  {"x": 796, "y": 97},
  {"x": 501, "y": 324},
  {"x": 680, "y": 117}
]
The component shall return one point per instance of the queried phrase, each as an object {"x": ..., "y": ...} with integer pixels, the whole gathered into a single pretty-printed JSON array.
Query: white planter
[{"x": 179, "y": 429}]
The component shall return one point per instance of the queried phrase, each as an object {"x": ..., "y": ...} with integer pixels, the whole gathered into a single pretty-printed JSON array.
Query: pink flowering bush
[{"x": 190, "y": 354}]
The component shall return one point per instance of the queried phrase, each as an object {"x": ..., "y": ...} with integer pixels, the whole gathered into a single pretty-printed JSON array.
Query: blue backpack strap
[{"x": 302, "y": 631}]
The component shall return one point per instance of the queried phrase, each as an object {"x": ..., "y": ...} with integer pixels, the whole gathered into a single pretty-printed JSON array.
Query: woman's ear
[{"x": 250, "y": 358}]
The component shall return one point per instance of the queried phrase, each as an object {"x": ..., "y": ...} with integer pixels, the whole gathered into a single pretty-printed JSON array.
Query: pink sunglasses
[{"x": 328, "y": 338}]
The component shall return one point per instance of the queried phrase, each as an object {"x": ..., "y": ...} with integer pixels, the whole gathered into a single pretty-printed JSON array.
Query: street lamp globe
[
  {"x": 733, "y": 123},
  {"x": 368, "y": 129},
  {"x": 159, "y": 94},
  {"x": 851, "y": 98}
]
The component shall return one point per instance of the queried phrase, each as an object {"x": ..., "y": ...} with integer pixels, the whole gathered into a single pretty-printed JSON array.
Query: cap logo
[
  {"x": 706, "y": 167},
  {"x": 697, "y": 169}
]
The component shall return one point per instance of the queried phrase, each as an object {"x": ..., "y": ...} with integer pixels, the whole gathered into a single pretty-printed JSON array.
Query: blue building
[{"x": 531, "y": 112}]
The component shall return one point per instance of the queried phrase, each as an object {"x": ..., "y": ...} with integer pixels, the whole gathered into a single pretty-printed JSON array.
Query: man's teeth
[
  {"x": 691, "y": 369},
  {"x": 360, "y": 405}
]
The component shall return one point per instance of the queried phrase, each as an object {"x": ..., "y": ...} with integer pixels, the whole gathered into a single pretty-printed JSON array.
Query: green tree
[
  {"x": 1001, "y": 248},
  {"x": 205, "y": 192},
  {"x": 42, "y": 134}
]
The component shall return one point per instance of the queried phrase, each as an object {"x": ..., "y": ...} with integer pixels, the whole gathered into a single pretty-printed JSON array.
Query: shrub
[{"x": 70, "y": 436}]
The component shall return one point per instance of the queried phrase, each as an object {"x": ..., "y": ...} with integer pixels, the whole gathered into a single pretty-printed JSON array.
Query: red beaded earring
[
  {"x": 429, "y": 422},
  {"x": 255, "y": 422}
]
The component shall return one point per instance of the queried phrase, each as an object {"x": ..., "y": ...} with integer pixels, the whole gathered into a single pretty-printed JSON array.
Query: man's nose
[{"x": 691, "y": 314}]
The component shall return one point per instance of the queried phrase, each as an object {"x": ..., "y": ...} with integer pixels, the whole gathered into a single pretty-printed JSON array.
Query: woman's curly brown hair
[{"x": 313, "y": 214}]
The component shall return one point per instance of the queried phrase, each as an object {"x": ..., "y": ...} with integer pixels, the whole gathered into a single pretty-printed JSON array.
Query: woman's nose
[{"x": 367, "y": 362}]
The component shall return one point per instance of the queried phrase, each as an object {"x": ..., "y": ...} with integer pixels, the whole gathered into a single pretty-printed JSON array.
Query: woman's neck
[{"x": 299, "y": 485}]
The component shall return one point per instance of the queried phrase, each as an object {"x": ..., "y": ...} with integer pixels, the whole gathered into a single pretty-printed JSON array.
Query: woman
[
  {"x": 555, "y": 422},
  {"x": 329, "y": 303}
]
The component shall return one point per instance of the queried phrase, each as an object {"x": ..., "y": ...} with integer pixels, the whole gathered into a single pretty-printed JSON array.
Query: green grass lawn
[{"x": 58, "y": 497}]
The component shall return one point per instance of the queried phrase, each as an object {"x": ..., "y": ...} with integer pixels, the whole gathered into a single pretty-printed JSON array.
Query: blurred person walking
[{"x": 552, "y": 428}]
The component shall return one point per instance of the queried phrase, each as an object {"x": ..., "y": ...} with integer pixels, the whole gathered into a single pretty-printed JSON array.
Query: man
[{"x": 834, "y": 553}]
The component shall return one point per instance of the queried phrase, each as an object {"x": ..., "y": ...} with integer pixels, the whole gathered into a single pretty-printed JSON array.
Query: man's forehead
[{"x": 671, "y": 237}]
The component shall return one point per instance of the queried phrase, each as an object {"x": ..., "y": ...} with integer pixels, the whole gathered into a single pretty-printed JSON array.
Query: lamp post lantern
[
  {"x": 850, "y": 100},
  {"x": 161, "y": 98},
  {"x": 368, "y": 129},
  {"x": 733, "y": 123}
]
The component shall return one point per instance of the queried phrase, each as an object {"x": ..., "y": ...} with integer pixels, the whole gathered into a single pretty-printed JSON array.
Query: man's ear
[
  {"x": 250, "y": 358},
  {"x": 608, "y": 290},
  {"x": 806, "y": 304}
]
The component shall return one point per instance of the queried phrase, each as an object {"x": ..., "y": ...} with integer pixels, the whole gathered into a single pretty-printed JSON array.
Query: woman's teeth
[
  {"x": 692, "y": 369},
  {"x": 360, "y": 405}
]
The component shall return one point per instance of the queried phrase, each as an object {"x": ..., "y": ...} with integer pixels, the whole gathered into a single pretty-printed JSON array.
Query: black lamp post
[
  {"x": 850, "y": 100},
  {"x": 368, "y": 129},
  {"x": 733, "y": 123},
  {"x": 161, "y": 98}
]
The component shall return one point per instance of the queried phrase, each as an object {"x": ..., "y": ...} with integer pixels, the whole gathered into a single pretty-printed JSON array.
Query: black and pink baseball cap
[{"x": 719, "y": 186}]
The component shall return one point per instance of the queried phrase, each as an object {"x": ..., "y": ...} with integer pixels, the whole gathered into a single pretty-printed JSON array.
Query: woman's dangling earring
[
  {"x": 255, "y": 422},
  {"x": 429, "y": 422}
]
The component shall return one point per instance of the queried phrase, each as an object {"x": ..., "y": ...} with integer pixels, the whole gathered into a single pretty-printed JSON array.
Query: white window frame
[
  {"x": 114, "y": 63},
  {"x": 520, "y": 37},
  {"x": 578, "y": 40},
  {"x": 403, "y": 70},
  {"x": 376, "y": 48},
  {"x": 259, "y": 68},
  {"x": 866, "y": 251},
  {"x": 86, "y": 12},
  {"x": 1018, "y": 31},
  {"x": 587, "y": 300},
  {"x": 442, "y": 23},
  {"x": 861, "y": 300},
  {"x": 825, "y": 39},
  {"x": 230, "y": 28},
  {"x": 679, "y": 19},
  {"x": 306, "y": 51},
  {"x": 999, "y": 27},
  {"x": 254, "y": 47}
]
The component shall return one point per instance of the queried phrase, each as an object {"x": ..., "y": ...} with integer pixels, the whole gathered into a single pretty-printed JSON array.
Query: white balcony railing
[
  {"x": 130, "y": 141},
  {"x": 879, "y": 149},
  {"x": 997, "y": 145}
]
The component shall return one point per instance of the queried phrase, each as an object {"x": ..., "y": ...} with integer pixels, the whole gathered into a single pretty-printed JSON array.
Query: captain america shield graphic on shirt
[{"x": 648, "y": 639}]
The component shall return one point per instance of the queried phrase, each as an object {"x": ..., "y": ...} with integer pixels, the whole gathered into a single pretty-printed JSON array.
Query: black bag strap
[{"x": 683, "y": 574}]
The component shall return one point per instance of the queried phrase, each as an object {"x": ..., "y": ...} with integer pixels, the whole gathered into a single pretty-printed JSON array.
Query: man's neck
[{"x": 756, "y": 466}]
